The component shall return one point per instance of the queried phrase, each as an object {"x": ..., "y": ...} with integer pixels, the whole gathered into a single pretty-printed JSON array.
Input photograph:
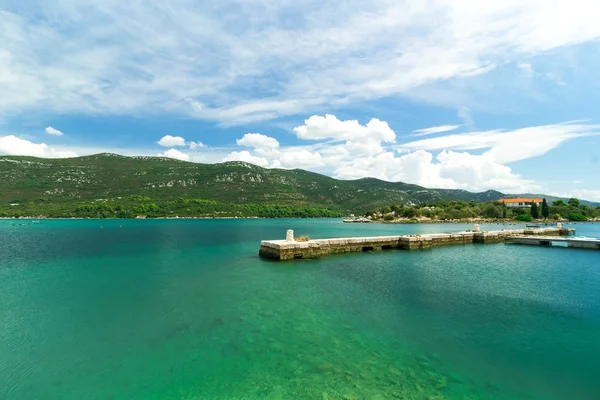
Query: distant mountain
[{"x": 101, "y": 176}]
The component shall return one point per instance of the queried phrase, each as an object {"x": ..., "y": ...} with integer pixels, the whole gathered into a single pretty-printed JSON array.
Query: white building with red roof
[{"x": 521, "y": 202}]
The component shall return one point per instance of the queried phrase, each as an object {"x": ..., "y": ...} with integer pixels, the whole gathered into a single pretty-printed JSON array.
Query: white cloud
[
  {"x": 435, "y": 129},
  {"x": 51, "y": 131},
  {"x": 245, "y": 156},
  {"x": 171, "y": 141},
  {"x": 530, "y": 72},
  {"x": 448, "y": 170},
  {"x": 464, "y": 113},
  {"x": 509, "y": 146},
  {"x": 582, "y": 194},
  {"x": 12, "y": 145},
  {"x": 527, "y": 69},
  {"x": 329, "y": 127},
  {"x": 301, "y": 159},
  {"x": 258, "y": 141},
  {"x": 196, "y": 145},
  {"x": 176, "y": 154},
  {"x": 586, "y": 194},
  {"x": 221, "y": 59},
  {"x": 349, "y": 150}
]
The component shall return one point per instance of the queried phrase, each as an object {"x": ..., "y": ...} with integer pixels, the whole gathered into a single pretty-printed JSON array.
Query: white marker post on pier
[{"x": 289, "y": 236}]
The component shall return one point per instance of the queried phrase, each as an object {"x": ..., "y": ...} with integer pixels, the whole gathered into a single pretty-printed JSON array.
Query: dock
[
  {"x": 290, "y": 249},
  {"x": 579, "y": 243}
]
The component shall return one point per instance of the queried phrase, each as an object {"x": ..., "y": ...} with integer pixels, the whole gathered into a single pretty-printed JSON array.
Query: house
[{"x": 520, "y": 202}]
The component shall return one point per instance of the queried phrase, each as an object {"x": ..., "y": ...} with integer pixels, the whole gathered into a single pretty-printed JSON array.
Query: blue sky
[{"x": 441, "y": 93}]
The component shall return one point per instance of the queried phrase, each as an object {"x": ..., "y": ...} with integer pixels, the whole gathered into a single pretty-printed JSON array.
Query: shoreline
[
  {"x": 474, "y": 221},
  {"x": 399, "y": 222},
  {"x": 127, "y": 219}
]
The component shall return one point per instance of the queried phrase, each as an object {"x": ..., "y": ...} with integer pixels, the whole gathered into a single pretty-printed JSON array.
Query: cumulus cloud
[
  {"x": 245, "y": 156},
  {"x": 360, "y": 140},
  {"x": 176, "y": 154},
  {"x": 258, "y": 141},
  {"x": 171, "y": 141},
  {"x": 301, "y": 159},
  {"x": 350, "y": 150},
  {"x": 435, "y": 129},
  {"x": 12, "y": 145},
  {"x": 329, "y": 127},
  {"x": 449, "y": 170},
  {"x": 51, "y": 131}
]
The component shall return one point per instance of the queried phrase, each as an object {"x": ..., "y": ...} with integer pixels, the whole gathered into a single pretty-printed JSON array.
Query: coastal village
[{"x": 510, "y": 209}]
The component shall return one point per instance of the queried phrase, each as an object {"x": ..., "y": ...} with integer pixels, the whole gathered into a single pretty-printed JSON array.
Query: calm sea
[{"x": 185, "y": 309}]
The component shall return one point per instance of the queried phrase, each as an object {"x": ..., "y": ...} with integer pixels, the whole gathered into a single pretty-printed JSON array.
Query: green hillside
[{"x": 48, "y": 185}]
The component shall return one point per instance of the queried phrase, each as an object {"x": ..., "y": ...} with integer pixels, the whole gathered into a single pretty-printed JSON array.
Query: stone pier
[
  {"x": 289, "y": 249},
  {"x": 578, "y": 243}
]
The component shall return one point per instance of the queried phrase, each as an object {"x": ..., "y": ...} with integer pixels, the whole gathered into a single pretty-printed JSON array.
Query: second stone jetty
[{"x": 290, "y": 249}]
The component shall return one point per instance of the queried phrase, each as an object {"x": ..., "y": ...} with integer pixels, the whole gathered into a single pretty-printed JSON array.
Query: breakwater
[
  {"x": 579, "y": 243},
  {"x": 290, "y": 249}
]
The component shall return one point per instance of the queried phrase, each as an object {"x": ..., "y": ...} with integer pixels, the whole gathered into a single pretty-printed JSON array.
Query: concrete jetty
[
  {"x": 579, "y": 243},
  {"x": 290, "y": 249}
]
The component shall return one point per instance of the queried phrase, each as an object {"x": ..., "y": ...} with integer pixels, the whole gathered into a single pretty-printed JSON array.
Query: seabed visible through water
[{"x": 187, "y": 310}]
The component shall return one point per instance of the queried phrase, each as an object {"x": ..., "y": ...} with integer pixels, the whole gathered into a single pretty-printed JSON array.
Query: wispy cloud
[
  {"x": 527, "y": 69},
  {"x": 240, "y": 62},
  {"x": 507, "y": 146},
  {"x": 530, "y": 72},
  {"x": 435, "y": 129},
  {"x": 464, "y": 113}
]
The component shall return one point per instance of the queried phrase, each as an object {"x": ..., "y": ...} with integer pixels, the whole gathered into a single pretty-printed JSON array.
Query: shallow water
[{"x": 184, "y": 309}]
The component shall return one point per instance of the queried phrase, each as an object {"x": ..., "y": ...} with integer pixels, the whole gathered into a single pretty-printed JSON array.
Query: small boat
[{"x": 533, "y": 226}]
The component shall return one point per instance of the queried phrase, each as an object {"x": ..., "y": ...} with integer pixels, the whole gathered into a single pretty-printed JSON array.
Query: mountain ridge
[{"x": 107, "y": 175}]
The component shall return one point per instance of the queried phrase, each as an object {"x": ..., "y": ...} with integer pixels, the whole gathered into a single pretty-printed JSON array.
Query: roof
[{"x": 521, "y": 200}]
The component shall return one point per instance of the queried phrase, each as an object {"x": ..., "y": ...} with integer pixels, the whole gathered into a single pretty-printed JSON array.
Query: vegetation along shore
[{"x": 460, "y": 211}]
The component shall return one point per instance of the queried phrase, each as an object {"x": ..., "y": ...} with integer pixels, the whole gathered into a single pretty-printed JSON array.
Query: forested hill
[{"x": 35, "y": 182}]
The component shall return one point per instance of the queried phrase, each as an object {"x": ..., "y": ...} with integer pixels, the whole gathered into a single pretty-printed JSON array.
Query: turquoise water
[{"x": 184, "y": 309}]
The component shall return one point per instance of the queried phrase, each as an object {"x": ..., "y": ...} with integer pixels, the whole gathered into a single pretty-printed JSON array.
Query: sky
[{"x": 458, "y": 94}]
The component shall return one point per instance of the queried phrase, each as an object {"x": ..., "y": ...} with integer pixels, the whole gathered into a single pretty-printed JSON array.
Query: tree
[
  {"x": 523, "y": 218},
  {"x": 518, "y": 211},
  {"x": 409, "y": 212},
  {"x": 545, "y": 209},
  {"x": 535, "y": 212},
  {"x": 574, "y": 202},
  {"x": 577, "y": 217},
  {"x": 491, "y": 211},
  {"x": 504, "y": 210}
]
